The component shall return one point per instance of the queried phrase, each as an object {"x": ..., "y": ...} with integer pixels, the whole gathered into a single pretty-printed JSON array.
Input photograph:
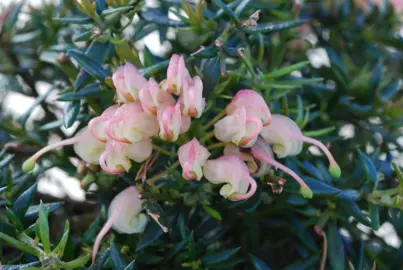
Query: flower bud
[
  {"x": 86, "y": 147},
  {"x": 152, "y": 96},
  {"x": 191, "y": 97},
  {"x": 123, "y": 216},
  {"x": 232, "y": 172},
  {"x": 238, "y": 128},
  {"x": 117, "y": 156},
  {"x": 254, "y": 104},
  {"x": 287, "y": 139},
  {"x": 128, "y": 82},
  {"x": 97, "y": 124},
  {"x": 177, "y": 73},
  {"x": 172, "y": 122},
  {"x": 131, "y": 124},
  {"x": 192, "y": 157}
]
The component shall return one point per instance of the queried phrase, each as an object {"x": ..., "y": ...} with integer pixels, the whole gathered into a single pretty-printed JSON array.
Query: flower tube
[
  {"x": 233, "y": 173},
  {"x": 86, "y": 147},
  {"x": 287, "y": 140},
  {"x": 192, "y": 157},
  {"x": 123, "y": 216}
]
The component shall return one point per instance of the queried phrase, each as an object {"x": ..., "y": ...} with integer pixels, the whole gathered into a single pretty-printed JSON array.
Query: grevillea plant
[{"x": 262, "y": 135}]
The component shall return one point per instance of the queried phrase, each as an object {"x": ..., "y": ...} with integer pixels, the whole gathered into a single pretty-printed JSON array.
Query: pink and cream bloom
[
  {"x": 131, "y": 124},
  {"x": 287, "y": 140},
  {"x": 124, "y": 216},
  {"x": 191, "y": 97},
  {"x": 153, "y": 96},
  {"x": 232, "y": 149},
  {"x": 177, "y": 74},
  {"x": 192, "y": 157},
  {"x": 128, "y": 82},
  {"x": 261, "y": 151},
  {"x": 85, "y": 145},
  {"x": 234, "y": 174},
  {"x": 117, "y": 157},
  {"x": 171, "y": 121},
  {"x": 254, "y": 104},
  {"x": 238, "y": 128},
  {"x": 97, "y": 124}
]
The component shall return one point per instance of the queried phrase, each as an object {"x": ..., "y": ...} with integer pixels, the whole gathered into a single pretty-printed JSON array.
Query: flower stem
[
  {"x": 163, "y": 151},
  {"x": 214, "y": 120},
  {"x": 152, "y": 180},
  {"x": 207, "y": 137},
  {"x": 216, "y": 145}
]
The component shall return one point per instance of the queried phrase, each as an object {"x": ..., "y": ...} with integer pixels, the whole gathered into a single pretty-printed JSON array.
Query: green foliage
[{"x": 75, "y": 46}]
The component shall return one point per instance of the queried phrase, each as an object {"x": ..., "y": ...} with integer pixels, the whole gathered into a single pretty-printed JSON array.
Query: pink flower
[
  {"x": 192, "y": 157},
  {"x": 97, "y": 124},
  {"x": 116, "y": 158},
  {"x": 232, "y": 172},
  {"x": 153, "y": 96},
  {"x": 238, "y": 128},
  {"x": 287, "y": 139},
  {"x": 232, "y": 149},
  {"x": 131, "y": 124},
  {"x": 261, "y": 151},
  {"x": 254, "y": 104},
  {"x": 177, "y": 73},
  {"x": 191, "y": 97},
  {"x": 172, "y": 122},
  {"x": 128, "y": 82},
  {"x": 123, "y": 216},
  {"x": 86, "y": 147}
]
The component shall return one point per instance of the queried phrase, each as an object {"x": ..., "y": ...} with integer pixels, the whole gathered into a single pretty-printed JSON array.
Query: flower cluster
[{"x": 145, "y": 109}]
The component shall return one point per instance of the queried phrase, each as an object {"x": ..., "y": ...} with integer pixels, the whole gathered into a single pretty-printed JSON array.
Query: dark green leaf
[
  {"x": 76, "y": 20},
  {"x": 20, "y": 266},
  {"x": 84, "y": 36},
  {"x": 71, "y": 110},
  {"x": 6, "y": 161},
  {"x": 20, "y": 245},
  {"x": 335, "y": 247},
  {"x": 12, "y": 18},
  {"x": 33, "y": 211},
  {"x": 117, "y": 258},
  {"x": 89, "y": 65},
  {"x": 130, "y": 266},
  {"x": 15, "y": 220},
  {"x": 310, "y": 263},
  {"x": 353, "y": 209},
  {"x": 102, "y": 259},
  {"x": 258, "y": 264},
  {"x": 151, "y": 234},
  {"x": 149, "y": 71},
  {"x": 119, "y": 10},
  {"x": 273, "y": 27},
  {"x": 79, "y": 262},
  {"x": 22, "y": 203},
  {"x": 242, "y": 6},
  {"x": 88, "y": 91},
  {"x": 44, "y": 228},
  {"x": 374, "y": 215},
  {"x": 369, "y": 166},
  {"x": 155, "y": 16},
  {"x": 219, "y": 257},
  {"x": 176, "y": 249},
  {"x": 227, "y": 9},
  {"x": 59, "y": 249},
  {"x": 285, "y": 70},
  {"x": 212, "y": 212},
  {"x": 211, "y": 73}
]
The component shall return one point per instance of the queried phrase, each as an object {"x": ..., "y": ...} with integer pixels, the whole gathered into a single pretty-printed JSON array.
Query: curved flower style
[
  {"x": 238, "y": 128},
  {"x": 172, "y": 122},
  {"x": 191, "y": 97},
  {"x": 128, "y": 82},
  {"x": 234, "y": 173},
  {"x": 131, "y": 124},
  {"x": 254, "y": 104},
  {"x": 232, "y": 149},
  {"x": 177, "y": 73},
  {"x": 287, "y": 140},
  {"x": 192, "y": 157},
  {"x": 86, "y": 147},
  {"x": 116, "y": 157},
  {"x": 261, "y": 150},
  {"x": 97, "y": 124},
  {"x": 123, "y": 216},
  {"x": 153, "y": 96}
]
